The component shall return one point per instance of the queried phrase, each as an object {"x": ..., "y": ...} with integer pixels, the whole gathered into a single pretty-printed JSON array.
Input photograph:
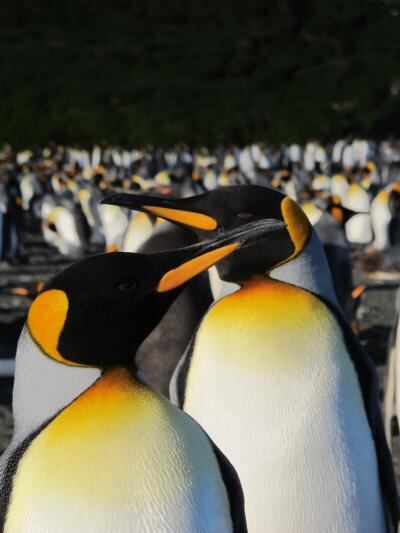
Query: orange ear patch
[
  {"x": 189, "y": 218},
  {"x": 298, "y": 226},
  {"x": 46, "y": 319}
]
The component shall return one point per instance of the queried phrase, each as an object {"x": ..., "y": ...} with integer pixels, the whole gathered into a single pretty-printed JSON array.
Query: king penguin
[
  {"x": 277, "y": 378},
  {"x": 329, "y": 217},
  {"x": 113, "y": 454},
  {"x": 358, "y": 228}
]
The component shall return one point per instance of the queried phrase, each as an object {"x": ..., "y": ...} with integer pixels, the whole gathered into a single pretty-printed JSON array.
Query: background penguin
[
  {"x": 282, "y": 332},
  {"x": 158, "y": 356},
  {"x": 114, "y": 455},
  {"x": 140, "y": 228},
  {"x": 328, "y": 218},
  {"x": 68, "y": 236},
  {"x": 380, "y": 219},
  {"x": 88, "y": 199},
  {"x": 10, "y": 220},
  {"x": 358, "y": 228},
  {"x": 115, "y": 223},
  {"x": 339, "y": 186},
  {"x": 385, "y": 210}
]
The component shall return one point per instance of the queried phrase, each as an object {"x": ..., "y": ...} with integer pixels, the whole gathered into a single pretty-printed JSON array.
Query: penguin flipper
[
  {"x": 369, "y": 384},
  {"x": 234, "y": 490},
  {"x": 177, "y": 384}
]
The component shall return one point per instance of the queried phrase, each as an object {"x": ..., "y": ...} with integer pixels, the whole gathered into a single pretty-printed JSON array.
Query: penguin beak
[
  {"x": 207, "y": 253},
  {"x": 168, "y": 209},
  {"x": 183, "y": 273}
]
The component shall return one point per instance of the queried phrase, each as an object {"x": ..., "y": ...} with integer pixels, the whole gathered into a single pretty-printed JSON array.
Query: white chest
[
  {"x": 280, "y": 397},
  {"x": 106, "y": 464}
]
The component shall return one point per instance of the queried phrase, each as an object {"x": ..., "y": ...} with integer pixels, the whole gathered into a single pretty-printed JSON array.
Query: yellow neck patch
[
  {"x": 383, "y": 196},
  {"x": 46, "y": 319}
]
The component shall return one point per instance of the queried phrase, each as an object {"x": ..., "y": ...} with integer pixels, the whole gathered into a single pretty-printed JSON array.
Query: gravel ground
[{"x": 376, "y": 316}]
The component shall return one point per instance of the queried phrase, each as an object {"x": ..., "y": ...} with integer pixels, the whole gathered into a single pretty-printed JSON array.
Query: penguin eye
[
  {"x": 127, "y": 286},
  {"x": 244, "y": 216}
]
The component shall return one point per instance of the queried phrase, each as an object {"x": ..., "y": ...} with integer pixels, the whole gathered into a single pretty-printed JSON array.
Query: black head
[
  {"x": 98, "y": 311},
  {"x": 224, "y": 209}
]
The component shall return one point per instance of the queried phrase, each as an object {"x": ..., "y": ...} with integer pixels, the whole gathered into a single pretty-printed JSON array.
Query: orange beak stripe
[
  {"x": 189, "y": 218},
  {"x": 183, "y": 273}
]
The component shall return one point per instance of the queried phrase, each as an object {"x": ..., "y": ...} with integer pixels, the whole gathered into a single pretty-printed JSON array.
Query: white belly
[
  {"x": 119, "y": 459},
  {"x": 284, "y": 405},
  {"x": 359, "y": 230}
]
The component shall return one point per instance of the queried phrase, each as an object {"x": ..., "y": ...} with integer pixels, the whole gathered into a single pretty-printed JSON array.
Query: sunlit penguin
[
  {"x": 385, "y": 211},
  {"x": 339, "y": 185},
  {"x": 392, "y": 383},
  {"x": 88, "y": 199},
  {"x": 328, "y": 218},
  {"x": 321, "y": 182},
  {"x": 95, "y": 448},
  {"x": 277, "y": 378},
  {"x": 30, "y": 187},
  {"x": 358, "y": 228},
  {"x": 337, "y": 151},
  {"x": 61, "y": 228},
  {"x": 282, "y": 180},
  {"x": 115, "y": 223},
  {"x": 140, "y": 228}
]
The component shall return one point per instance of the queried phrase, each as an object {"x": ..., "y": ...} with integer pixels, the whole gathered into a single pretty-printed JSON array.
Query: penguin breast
[
  {"x": 271, "y": 382},
  {"x": 119, "y": 458}
]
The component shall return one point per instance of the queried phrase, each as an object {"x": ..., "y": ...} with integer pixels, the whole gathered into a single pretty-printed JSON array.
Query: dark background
[{"x": 154, "y": 71}]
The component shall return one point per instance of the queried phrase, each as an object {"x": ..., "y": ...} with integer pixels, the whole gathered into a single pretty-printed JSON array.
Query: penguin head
[
  {"x": 326, "y": 203},
  {"x": 225, "y": 209},
  {"x": 98, "y": 311}
]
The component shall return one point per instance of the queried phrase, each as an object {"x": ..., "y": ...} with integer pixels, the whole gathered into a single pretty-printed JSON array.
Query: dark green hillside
[{"x": 158, "y": 71}]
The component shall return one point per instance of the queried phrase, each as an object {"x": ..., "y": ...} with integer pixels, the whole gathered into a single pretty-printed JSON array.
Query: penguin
[
  {"x": 339, "y": 185},
  {"x": 328, "y": 217},
  {"x": 358, "y": 228},
  {"x": 321, "y": 182},
  {"x": 159, "y": 354},
  {"x": 140, "y": 228},
  {"x": 88, "y": 199},
  {"x": 385, "y": 216},
  {"x": 108, "y": 453},
  {"x": 380, "y": 218},
  {"x": 283, "y": 181},
  {"x": 277, "y": 378},
  {"x": 391, "y": 402},
  {"x": 66, "y": 232},
  {"x": 115, "y": 223}
]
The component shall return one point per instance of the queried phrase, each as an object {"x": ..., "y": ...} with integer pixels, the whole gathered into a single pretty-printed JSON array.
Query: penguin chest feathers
[
  {"x": 271, "y": 382},
  {"x": 120, "y": 458}
]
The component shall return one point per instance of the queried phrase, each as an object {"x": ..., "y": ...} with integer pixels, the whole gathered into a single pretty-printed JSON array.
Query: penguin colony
[{"x": 273, "y": 421}]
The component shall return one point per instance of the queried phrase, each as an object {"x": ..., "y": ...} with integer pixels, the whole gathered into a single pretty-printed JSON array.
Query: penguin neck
[
  {"x": 309, "y": 271},
  {"x": 122, "y": 379},
  {"x": 123, "y": 375}
]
